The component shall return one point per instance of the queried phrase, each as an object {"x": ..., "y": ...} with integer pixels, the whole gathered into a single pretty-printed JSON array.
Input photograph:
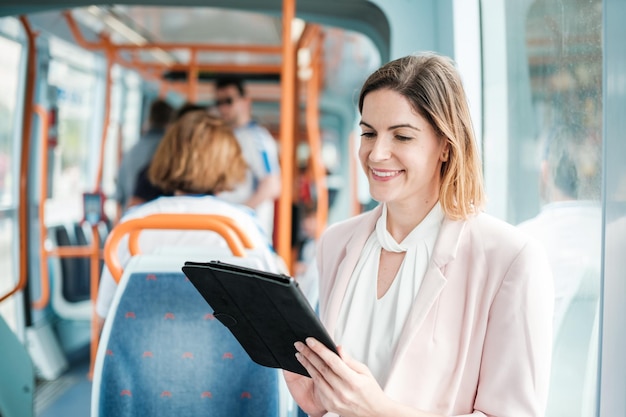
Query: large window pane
[
  {"x": 9, "y": 171},
  {"x": 543, "y": 119},
  {"x": 74, "y": 159}
]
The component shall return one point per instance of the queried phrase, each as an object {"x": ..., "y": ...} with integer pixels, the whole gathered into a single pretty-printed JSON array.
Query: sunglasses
[{"x": 224, "y": 101}]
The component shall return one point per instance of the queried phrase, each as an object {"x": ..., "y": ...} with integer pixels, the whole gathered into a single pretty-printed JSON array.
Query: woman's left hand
[{"x": 342, "y": 384}]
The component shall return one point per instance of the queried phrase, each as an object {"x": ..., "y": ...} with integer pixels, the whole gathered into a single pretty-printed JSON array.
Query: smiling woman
[
  {"x": 75, "y": 87},
  {"x": 403, "y": 287}
]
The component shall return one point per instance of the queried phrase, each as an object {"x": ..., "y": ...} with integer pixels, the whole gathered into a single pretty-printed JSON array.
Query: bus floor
[{"x": 67, "y": 396}]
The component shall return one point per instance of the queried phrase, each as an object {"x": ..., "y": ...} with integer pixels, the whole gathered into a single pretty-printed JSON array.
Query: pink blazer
[{"x": 478, "y": 338}]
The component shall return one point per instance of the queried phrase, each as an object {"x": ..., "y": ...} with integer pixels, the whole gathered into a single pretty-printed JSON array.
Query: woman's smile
[{"x": 385, "y": 174}]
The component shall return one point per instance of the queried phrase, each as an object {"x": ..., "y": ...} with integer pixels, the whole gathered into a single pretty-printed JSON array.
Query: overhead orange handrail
[
  {"x": 133, "y": 237},
  {"x": 200, "y": 47},
  {"x": 167, "y": 222},
  {"x": 204, "y": 47},
  {"x": 29, "y": 94}
]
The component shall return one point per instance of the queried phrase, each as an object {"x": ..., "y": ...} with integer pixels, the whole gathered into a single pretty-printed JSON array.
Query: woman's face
[{"x": 400, "y": 152}]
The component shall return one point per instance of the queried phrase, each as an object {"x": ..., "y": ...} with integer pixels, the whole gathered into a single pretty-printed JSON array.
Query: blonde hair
[
  {"x": 199, "y": 154},
  {"x": 432, "y": 85}
]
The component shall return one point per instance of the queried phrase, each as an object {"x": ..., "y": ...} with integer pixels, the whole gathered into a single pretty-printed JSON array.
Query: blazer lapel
[
  {"x": 346, "y": 265},
  {"x": 445, "y": 250}
]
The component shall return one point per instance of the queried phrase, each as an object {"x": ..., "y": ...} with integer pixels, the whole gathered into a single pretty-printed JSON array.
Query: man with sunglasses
[{"x": 263, "y": 183}]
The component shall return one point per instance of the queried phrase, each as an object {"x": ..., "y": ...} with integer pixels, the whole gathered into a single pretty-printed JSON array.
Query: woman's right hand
[{"x": 302, "y": 391}]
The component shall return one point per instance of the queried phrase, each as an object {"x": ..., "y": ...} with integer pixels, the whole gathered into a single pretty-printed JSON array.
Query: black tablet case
[{"x": 267, "y": 313}]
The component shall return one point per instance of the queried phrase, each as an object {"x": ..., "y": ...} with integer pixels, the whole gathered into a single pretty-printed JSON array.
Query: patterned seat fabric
[{"x": 166, "y": 355}]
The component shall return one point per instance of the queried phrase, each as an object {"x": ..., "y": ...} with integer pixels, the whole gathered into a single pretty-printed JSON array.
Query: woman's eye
[
  {"x": 403, "y": 138},
  {"x": 368, "y": 135}
]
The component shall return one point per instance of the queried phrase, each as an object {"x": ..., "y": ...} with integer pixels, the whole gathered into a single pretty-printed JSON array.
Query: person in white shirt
[
  {"x": 569, "y": 225},
  {"x": 570, "y": 222},
  {"x": 263, "y": 182}
]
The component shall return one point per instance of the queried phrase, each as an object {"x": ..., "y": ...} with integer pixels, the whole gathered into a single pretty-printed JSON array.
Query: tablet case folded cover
[{"x": 267, "y": 313}]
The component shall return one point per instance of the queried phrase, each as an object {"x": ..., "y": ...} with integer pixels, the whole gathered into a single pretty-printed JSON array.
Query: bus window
[
  {"x": 76, "y": 155},
  {"x": 9, "y": 170},
  {"x": 124, "y": 129},
  {"x": 543, "y": 118}
]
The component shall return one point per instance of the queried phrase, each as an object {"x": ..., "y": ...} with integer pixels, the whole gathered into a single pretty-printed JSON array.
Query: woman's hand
[
  {"x": 302, "y": 391},
  {"x": 338, "y": 384}
]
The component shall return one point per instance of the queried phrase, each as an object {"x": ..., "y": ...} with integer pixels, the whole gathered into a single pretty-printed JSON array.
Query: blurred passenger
[
  {"x": 306, "y": 270},
  {"x": 187, "y": 108},
  {"x": 570, "y": 222},
  {"x": 198, "y": 158},
  {"x": 144, "y": 189},
  {"x": 140, "y": 154},
  {"x": 570, "y": 227},
  {"x": 438, "y": 308},
  {"x": 263, "y": 183}
]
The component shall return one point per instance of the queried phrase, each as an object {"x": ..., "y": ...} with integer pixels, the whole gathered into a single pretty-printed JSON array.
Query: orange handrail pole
[
  {"x": 243, "y": 237},
  {"x": 70, "y": 251},
  {"x": 192, "y": 78},
  {"x": 77, "y": 34},
  {"x": 313, "y": 122},
  {"x": 94, "y": 273},
  {"x": 44, "y": 277},
  {"x": 309, "y": 34},
  {"x": 110, "y": 57},
  {"x": 287, "y": 112},
  {"x": 167, "y": 222},
  {"x": 133, "y": 237},
  {"x": 205, "y": 66},
  {"x": 205, "y": 47},
  {"x": 27, "y": 120}
]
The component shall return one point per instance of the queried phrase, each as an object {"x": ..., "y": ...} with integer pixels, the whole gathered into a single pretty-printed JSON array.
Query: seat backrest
[
  {"x": 75, "y": 279},
  {"x": 70, "y": 275},
  {"x": 162, "y": 353}
]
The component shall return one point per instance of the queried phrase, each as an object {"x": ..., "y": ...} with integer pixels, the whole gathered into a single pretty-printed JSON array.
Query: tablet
[{"x": 267, "y": 313}]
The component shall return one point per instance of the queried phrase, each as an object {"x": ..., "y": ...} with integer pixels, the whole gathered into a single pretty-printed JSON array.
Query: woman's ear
[{"x": 445, "y": 152}]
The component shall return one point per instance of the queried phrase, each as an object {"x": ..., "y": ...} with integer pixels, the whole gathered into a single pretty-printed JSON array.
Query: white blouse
[{"x": 368, "y": 328}]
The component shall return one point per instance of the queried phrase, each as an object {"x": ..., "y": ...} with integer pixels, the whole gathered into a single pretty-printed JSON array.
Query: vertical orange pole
[
  {"x": 94, "y": 271},
  {"x": 287, "y": 116},
  {"x": 27, "y": 120},
  {"x": 110, "y": 56},
  {"x": 313, "y": 122},
  {"x": 43, "y": 196},
  {"x": 192, "y": 77}
]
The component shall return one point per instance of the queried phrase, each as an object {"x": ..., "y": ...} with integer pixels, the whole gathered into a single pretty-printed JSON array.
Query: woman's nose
[{"x": 381, "y": 150}]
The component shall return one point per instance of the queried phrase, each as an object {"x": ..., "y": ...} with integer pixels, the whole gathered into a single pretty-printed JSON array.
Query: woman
[
  {"x": 438, "y": 308},
  {"x": 198, "y": 157}
]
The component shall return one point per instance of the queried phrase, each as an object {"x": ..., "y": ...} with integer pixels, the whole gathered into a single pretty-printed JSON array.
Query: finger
[
  {"x": 326, "y": 360},
  {"x": 353, "y": 363},
  {"x": 314, "y": 371},
  {"x": 308, "y": 358}
]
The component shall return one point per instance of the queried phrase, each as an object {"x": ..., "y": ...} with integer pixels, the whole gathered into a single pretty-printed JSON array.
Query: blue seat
[{"x": 162, "y": 353}]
